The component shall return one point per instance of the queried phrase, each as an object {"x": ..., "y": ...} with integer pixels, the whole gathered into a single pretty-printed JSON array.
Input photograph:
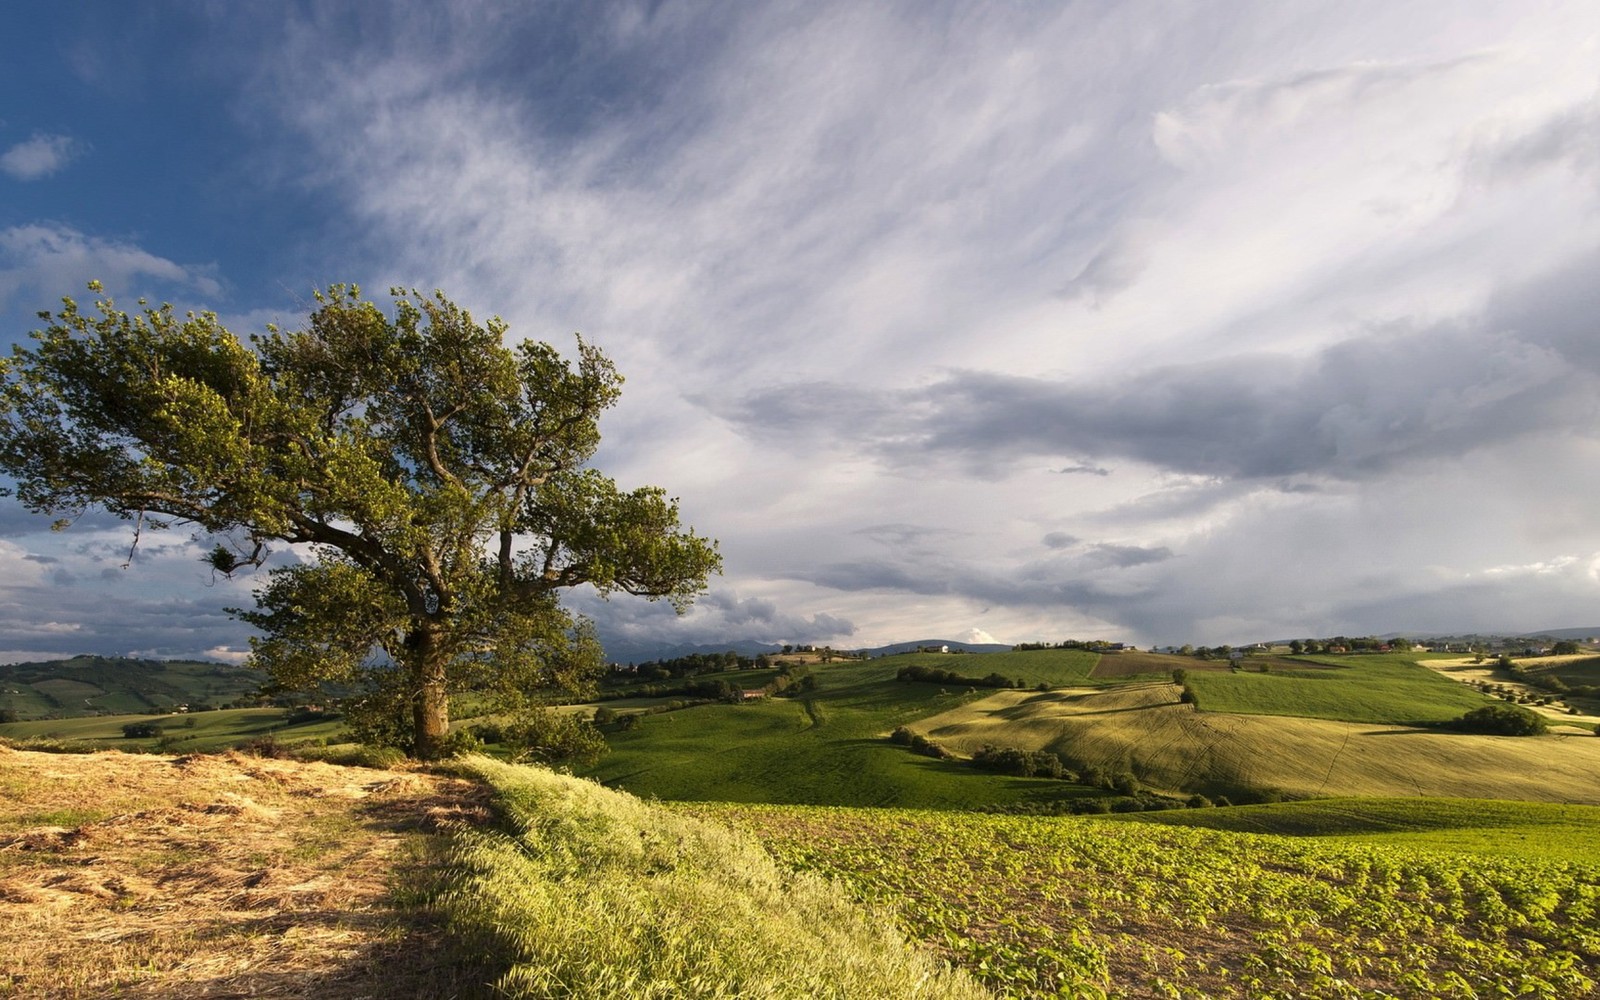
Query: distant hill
[{"x": 109, "y": 685}]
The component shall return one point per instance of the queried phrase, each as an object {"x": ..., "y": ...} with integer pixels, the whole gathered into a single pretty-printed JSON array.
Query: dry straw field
[{"x": 175, "y": 877}]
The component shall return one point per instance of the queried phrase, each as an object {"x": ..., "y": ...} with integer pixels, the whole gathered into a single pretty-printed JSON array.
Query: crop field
[
  {"x": 1382, "y": 688},
  {"x": 828, "y": 748},
  {"x": 1141, "y": 728},
  {"x": 1122, "y": 666},
  {"x": 1546, "y": 831},
  {"x": 1081, "y": 907}
]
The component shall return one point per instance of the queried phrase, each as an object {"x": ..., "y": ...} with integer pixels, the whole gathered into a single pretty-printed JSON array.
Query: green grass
[
  {"x": 776, "y": 751},
  {"x": 1548, "y": 831},
  {"x": 86, "y": 685},
  {"x": 1088, "y": 908},
  {"x": 211, "y": 731},
  {"x": 595, "y": 894},
  {"x": 1378, "y": 688},
  {"x": 1052, "y": 667}
]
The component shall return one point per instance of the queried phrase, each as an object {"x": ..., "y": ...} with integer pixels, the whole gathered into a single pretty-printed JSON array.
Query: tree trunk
[{"x": 430, "y": 704}]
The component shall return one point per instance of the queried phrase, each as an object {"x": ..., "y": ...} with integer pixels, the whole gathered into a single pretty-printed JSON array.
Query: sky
[{"x": 1163, "y": 323}]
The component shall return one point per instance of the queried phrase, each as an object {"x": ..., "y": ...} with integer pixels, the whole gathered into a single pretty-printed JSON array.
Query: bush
[
  {"x": 142, "y": 731},
  {"x": 1503, "y": 720},
  {"x": 548, "y": 737},
  {"x": 1022, "y": 763},
  {"x": 605, "y": 715}
]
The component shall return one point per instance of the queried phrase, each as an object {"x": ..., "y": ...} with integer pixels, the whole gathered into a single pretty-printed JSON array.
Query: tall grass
[{"x": 598, "y": 894}]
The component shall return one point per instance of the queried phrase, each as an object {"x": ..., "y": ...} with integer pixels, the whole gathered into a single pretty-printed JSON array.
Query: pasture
[
  {"x": 193, "y": 732},
  {"x": 825, "y": 748},
  {"x": 1377, "y": 688},
  {"x": 86, "y": 685}
]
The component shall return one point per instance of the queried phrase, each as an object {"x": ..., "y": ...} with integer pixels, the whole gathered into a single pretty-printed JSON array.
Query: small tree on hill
[{"x": 438, "y": 475}]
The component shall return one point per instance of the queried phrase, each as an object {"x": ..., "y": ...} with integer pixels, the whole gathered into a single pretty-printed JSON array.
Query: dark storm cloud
[
  {"x": 1355, "y": 411},
  {"x": 1059, "y": 540},
  {"x": 1082, "y": 469},
  {"x": 69, "y": 621},
  {"x": 634, "y": 630}
]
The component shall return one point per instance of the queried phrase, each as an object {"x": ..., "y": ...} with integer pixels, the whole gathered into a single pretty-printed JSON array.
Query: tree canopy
[{"x": 437, "y": 476}]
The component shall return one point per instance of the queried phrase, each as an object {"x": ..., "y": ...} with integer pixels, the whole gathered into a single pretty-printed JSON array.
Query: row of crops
[{"x": 1045, "y": 907}]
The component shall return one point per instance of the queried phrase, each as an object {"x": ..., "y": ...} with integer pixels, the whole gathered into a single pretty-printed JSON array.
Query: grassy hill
[
  {"x": 194, "y": 732},
  {"x": 828, "y": 747},
  {"x": 90, "y": 685},
  {"x": 1141, "y": 728},
  {"x": 1387, "y": 688}
]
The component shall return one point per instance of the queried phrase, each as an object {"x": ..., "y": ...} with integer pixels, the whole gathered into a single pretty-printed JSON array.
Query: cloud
[
  {"x": 39, "y": 156},
  {"x": 1356, "y": 410},
  {"x": 54, "y": 259},
  {"x": 1124, "y": 556}
]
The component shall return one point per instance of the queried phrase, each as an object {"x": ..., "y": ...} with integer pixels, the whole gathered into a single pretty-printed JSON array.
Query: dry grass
[
  {"x": 1141, "y": 728},
  {"x": 223, "y": 876}
]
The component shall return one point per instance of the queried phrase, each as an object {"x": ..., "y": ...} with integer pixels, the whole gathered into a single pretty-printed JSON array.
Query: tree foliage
[{"x": 438, "y": 476}]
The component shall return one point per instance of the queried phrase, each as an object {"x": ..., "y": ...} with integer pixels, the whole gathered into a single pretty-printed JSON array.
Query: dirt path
[{"x": 222, "y": 876}]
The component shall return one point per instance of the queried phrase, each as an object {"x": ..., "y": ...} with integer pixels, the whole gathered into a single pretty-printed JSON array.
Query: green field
[
  {"x": 197, "y": 732},
  {"x": 1545, "y": 831},
  {"x": 1050, "y": 667},
  {"x": 1379, "y": 688},
  {"x": 88, "y": 685},
  {"x": 1083, "y": 907},
  {"x": 827, "y": 748}
]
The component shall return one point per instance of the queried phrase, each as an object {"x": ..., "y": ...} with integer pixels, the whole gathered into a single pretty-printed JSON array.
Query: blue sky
[{"x": 1192, "y": 322}]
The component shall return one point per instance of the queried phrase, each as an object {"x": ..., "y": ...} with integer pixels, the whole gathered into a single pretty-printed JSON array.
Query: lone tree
[{"x": 437, "y": 475}]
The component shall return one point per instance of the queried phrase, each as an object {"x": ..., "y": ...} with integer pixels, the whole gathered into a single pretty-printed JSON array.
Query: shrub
[
  {"x": 1502, "y": 720},
  {"x": 628, "y": 723},
  {"x": 142, "y": 731},
  {"x": 1023, "y": 763},
  {"x": 605, "y": 715}
]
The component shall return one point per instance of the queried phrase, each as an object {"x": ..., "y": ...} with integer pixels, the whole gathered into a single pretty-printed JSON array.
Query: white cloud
[
  {"x": 39, "y": 156},
  {"x": 51, "y": 259},
  {"x": 1226, "y": 322}
]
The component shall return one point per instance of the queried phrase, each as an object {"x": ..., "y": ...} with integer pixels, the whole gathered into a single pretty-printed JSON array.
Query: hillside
[
  {"x": 1143, "y": 728},
  {"x": 102, "y": 685},
  {"x": 195, "y": 876}
]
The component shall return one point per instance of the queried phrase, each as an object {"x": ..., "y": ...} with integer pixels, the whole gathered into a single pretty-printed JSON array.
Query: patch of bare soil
[{"x": 224, "y": 876}]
